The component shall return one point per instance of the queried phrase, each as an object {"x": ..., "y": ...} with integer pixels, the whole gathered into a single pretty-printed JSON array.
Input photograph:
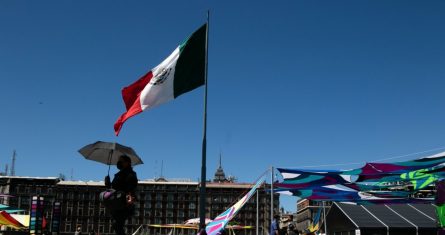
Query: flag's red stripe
[{"x": 131, "y": 96}]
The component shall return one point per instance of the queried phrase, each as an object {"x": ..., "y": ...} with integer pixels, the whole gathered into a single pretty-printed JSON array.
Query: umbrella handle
[
  {"x": 109, "y": 157},
  {"x": 109, "y": 163}
]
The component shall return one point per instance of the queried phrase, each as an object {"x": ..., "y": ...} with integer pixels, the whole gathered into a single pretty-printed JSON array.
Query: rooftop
[
  {"x": 28, "y": 177},
  {"x": 393, "y": 216},
  {"x": 168, "y": 182}
]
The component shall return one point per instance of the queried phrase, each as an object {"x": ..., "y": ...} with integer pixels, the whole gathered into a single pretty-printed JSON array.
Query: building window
[
  {"x": 181, "y": 214},
  {"x": 192, "y": 205},
  {"x": 68, "y": 228},
  {"x": 182, "y": 188},
  {"x": 158, "y": 213},
  {"x": 170, "y": 205},
  {"x": 102, "y": 211},
  {"x": 45, "y": 190},
  {"x": 25, "y": 201},
  {"x": 80, "y": 211},
  {"x": 158, "y": 205},
  {"x": 169, "y": 213}
]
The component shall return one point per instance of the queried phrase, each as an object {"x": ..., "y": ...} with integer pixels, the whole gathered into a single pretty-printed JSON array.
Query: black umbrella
[{"x": 109, "y": 153}]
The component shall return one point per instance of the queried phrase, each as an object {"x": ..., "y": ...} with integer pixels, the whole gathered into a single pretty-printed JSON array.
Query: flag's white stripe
[{"x": 156, "y": 94}]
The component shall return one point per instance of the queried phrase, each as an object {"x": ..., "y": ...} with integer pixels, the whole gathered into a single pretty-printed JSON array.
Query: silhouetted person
[{"x": 124, "y": 181}]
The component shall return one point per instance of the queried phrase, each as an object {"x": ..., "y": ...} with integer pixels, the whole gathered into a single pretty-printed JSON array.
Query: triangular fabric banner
[{"x": 219, "y": 223}]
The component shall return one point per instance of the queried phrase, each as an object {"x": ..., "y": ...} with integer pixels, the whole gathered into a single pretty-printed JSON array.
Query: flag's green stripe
[{"x": 189, "y": 71}]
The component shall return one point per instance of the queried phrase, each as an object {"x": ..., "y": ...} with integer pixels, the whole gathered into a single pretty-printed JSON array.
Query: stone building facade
[{"x": 159, "y": 202}]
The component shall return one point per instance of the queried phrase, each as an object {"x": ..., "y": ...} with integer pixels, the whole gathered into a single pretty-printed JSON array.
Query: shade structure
[
  {"x": 9, "y": 221},
  {"x": 196, "y": 221},
  {"x": 195, "y": 226},
  {"x": 9, "y": 209},
  {"x": 109, "y": 153},
  {"x": 403, "y": 219},
  {"x": 23, "y": 219}
]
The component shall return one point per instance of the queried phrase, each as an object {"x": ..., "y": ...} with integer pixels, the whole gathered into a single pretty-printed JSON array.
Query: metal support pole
[
  {"x": 202, "y": 190},
  {"x": 324, "y": 220},
  {"x": 257, "y": 212},
  {"x": 271, "y": 195}
]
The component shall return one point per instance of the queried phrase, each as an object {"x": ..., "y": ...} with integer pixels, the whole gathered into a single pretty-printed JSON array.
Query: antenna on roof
[
  {"x": 156, "y": 169},
  {"x": 13, "y": 163},
  {"x": 162, "y": 169}
]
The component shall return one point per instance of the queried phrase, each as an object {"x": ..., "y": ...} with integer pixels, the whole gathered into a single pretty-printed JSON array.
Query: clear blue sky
[{"x": 291, "y": 83}]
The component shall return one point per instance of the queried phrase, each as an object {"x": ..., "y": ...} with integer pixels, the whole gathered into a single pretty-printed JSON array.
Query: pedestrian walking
[
  {"x": 291, "y": 226},
  {"x": 275, "y": 226}
]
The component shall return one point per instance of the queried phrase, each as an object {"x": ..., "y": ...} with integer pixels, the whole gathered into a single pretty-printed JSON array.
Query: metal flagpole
[
  {"x": 271, "y": 195},
  {"x": 257, "y": 211},
  {"x": 324, "y": 219},
  {"x": 202, "y": 190}
]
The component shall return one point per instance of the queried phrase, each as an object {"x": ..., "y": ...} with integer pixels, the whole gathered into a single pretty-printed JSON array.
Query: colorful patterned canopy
[{"x": 374, "y": 182}]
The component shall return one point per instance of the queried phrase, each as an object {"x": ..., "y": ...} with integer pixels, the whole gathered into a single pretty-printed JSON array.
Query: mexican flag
[{"x": 179, "y": 73}]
